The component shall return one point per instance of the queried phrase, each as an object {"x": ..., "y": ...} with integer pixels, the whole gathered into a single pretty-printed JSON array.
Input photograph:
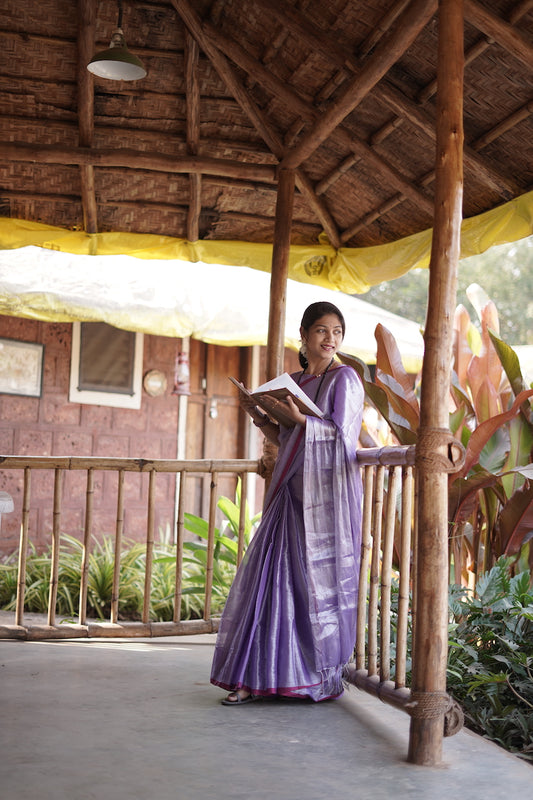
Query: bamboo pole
[
  {"x": 242, "y": 516},
  {"x": 23, "y": 548},
  {"x": 403, "y": 589},
  {"x": 210, "y": 545},
  {"x": 373, "y": 596},
  {"x": 386, "y": 574},
  {"x": 129, "y": 464},
  {"x": 180, "y": 536},
  {"x": 56, "y": 534},
  {"x": 89, "y": 497},
  {"x": 430, "y": 701},
  {"x": 149, "y": 547},
  {"x": 119, "y": 530},
  {"x": 279, "y": 273},
  {"x": 366, "y": 549},
  {"x": 156, "y": 162}
]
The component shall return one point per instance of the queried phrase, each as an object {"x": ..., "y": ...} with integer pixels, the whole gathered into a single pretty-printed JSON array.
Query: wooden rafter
[
  {"x": 502, "y": 32},
  {"x": 158, "y": 162},
  {"x": 292, "y": 101},
  {"x": 401, "y": 105},
  {"x": 405, "y": 30},
  {"x": 86, "y": 35},
  {"x": 258, "y": 119},
  {"x": 192, "y": 94}
]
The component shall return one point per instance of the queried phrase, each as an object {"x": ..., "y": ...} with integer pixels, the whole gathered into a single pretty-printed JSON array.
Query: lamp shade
[{"x": 117, "y": 63}]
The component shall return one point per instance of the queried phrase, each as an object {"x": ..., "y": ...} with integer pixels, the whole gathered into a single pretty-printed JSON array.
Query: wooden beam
[
  {"x": 133, "y": 159},
  {"x": 293, "y": 101},
  {"x": 258, "y": 119},
  {"x": 385, "y": 22},
  {"x": 430, "y": 645},
  {"x": 384, "y": 91},
  {"x": 401, "y": 105},
  {"x": 502, "y": 32},
  {"x": 505, "y": 125},
  {"x": 407, "y": 27},
  {"x": 192, "y": 96},
  {"x": 127, "y": 205},
  {"x": 279, "y": 274},
  {"x": 86, "y": 36}
]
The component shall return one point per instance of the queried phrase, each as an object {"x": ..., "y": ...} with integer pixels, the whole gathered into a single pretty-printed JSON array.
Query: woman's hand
[
  {"x": 295, "y": 413},
  {"x": 289, "y": 407}
]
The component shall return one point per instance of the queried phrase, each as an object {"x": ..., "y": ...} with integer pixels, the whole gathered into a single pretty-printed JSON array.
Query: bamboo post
[
  {"x": 366, "y": 548},
  {"x": 403, "y": 589},
  {"x": 56, "y": 534},
  {"x": 149, "y": 547},
  {"x": 242, "y": 516},
  {"x": 180, "y": 536},
  {"x": 119, "y": 530},
  {"x": 373, "y": 595},
  {"x": 23, "y": 548},
  {"x": 210, "y": 545},
  {"x": 429, "y": 698},
  {"x": 386, "y": 573},
  {"x": 86, "y": 546},
  {"x": 279, "y": 273}
]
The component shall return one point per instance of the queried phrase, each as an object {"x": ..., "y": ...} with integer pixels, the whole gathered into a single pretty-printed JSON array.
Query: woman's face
[{"x": 323, "y": 338}]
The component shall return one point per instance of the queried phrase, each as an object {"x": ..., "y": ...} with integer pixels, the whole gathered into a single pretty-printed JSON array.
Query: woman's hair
[{"x": 311, "y": 314}]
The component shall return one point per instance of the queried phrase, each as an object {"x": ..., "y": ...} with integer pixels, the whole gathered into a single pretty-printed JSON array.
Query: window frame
[{"x": 103, "y": 398}]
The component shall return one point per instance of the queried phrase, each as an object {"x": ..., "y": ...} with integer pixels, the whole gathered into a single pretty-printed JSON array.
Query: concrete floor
[{"x": 127, "y": 719}]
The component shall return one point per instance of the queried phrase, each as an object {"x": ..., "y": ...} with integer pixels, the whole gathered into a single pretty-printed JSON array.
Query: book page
[{"x": 279, "y": 388}]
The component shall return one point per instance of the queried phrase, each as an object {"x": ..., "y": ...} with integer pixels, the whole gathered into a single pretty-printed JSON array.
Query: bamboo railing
[
  {"x": 388, "y": 558},
  {"x": 85, "y": 628}
]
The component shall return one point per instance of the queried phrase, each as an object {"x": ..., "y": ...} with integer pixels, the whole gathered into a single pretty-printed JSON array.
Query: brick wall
[{"x": 51, "y": 425}]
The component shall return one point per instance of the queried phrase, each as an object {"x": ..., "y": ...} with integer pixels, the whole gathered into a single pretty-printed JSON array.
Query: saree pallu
[{"x": 288, "y": 627}]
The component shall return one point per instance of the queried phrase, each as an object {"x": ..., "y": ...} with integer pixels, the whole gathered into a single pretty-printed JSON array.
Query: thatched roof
[{"x": 342, "y": 90}]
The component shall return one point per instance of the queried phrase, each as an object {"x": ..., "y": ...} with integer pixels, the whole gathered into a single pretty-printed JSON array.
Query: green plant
[
  {"x": 490, "y": 497},
  {"x": 224, "y": 558},
  {"x": 490, "y": 659}
]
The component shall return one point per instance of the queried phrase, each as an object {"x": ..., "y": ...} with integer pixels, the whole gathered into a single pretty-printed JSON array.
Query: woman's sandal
[{"x": 239, "y": 701}]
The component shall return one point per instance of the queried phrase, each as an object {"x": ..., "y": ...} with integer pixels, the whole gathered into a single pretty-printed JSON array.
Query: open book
[{"x": 279, "y": 388}]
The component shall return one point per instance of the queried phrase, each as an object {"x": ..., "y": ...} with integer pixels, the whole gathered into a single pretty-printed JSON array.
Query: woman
[{"x": 288, "y": 627}]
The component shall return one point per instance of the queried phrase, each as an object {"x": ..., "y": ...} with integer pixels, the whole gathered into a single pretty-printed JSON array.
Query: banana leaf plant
[{"x": 491, "y": 497}]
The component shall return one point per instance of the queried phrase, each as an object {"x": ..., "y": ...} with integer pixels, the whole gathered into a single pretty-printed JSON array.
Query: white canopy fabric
[{"x": 215, "y": 303}]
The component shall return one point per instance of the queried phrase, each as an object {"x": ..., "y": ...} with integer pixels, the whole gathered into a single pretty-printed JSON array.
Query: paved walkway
[{"x": 138, "y": 719}]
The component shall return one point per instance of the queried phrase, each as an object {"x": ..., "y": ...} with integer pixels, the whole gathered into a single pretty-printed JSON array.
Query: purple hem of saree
[{"x": 291, "y": 691}]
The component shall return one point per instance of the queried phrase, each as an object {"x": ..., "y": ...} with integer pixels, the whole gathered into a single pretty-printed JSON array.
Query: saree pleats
[{"x": 288, "y": 627}]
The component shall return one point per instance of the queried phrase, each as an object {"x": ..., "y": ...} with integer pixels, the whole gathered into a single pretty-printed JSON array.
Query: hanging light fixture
[{"x": 117, "y": 63}]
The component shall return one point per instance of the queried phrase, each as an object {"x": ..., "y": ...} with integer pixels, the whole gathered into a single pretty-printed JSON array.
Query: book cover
[{"x": 279, "y": 388}]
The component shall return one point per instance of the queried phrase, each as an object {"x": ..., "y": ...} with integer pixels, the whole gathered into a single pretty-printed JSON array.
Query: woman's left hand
[{"x": 294, "y": 412}]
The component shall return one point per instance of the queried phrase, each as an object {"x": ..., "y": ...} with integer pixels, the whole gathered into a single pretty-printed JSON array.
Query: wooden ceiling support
[
  {"x": 258, "y": 119},
  {"x": 157, "y": 162},
  {"x": 192, "y": 96},
  {"x": 502, "y": 32},
  {"x": 401, "y": 105},
  {"x": 505, "y": 125},
  {"x": 292, "y": 101},
  {"x": 434, "y": 441},
  {"x": 279, "y": 274},
  {"x": 403, "y": 33},
  {"x": 86, "y": 37}
]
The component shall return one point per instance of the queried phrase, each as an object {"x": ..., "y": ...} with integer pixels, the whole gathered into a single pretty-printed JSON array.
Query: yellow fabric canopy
[
  {"x": 215, "y": 303},
  {"x": 350, "y": 270}
]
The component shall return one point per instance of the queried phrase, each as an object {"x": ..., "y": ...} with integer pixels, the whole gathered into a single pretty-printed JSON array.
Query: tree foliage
[{"x": 504, "y": 272}]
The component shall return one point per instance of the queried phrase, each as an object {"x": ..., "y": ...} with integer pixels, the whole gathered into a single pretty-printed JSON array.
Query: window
[{"x": 106, "y": 365}]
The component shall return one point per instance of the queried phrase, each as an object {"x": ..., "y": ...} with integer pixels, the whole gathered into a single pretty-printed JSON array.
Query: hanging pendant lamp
[{"x": 117, "y": 63}]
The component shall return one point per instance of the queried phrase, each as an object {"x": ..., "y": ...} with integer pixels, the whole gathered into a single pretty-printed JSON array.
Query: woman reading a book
[{"x": 288, "y": 627}]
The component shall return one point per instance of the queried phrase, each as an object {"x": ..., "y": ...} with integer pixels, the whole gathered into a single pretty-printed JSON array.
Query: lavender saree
[{"x": 288, "y": 627}]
